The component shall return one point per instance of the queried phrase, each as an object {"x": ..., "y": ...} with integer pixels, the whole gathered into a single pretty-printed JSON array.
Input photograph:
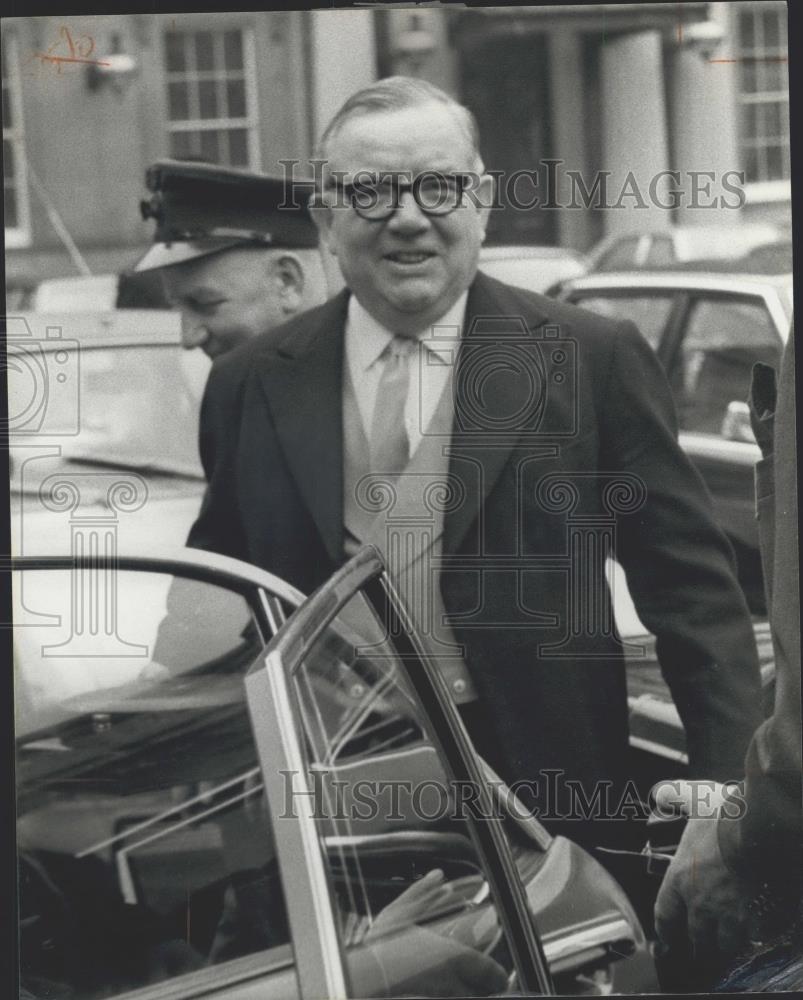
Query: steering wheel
[{"x": 47, "y": 919}]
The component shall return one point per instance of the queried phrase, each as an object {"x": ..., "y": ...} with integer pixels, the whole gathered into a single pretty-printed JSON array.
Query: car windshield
[
  {"x": 139, "y": 812},
  {"x": 102, "y": 392}
]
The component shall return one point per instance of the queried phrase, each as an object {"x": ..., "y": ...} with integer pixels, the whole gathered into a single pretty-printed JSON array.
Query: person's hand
[
  {"x": 701, "y": 911},
  {"x": 429, "y": 897},
  {"x": 420, "y": 962}
]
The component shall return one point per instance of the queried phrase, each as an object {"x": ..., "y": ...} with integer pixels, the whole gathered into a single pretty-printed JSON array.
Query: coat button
[{"x": 459, "y": 686}]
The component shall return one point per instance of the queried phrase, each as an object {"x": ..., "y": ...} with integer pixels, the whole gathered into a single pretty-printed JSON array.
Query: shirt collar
[{"x": 367, "y": 338}]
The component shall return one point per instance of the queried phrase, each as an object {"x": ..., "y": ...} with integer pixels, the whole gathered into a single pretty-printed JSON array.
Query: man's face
[
  {"x": 226, "y": 298},
  {"x": 406, "y": 270}
]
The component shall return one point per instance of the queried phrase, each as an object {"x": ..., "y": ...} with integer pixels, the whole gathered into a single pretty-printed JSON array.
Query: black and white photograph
[{"x": 403, "y": 570}]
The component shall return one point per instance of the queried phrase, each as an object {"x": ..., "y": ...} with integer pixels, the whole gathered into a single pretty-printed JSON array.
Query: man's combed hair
[{"x": 398, "y": 93}]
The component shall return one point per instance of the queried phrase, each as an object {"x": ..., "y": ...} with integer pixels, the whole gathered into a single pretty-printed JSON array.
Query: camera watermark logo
[
  {"x": 44, "y": 373},
  {"x": 510, "y": 383},
  {"x": 509, "y": 403},
  {"x": 43, "y": 382}
]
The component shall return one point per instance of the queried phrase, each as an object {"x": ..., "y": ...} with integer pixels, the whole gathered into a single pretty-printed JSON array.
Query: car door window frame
[
  {"x": 668, "y": 335},
  {"x": 674, "y": 344},
  {"x": 262, "y": 591},
  {"x": 269, "y": 690}
]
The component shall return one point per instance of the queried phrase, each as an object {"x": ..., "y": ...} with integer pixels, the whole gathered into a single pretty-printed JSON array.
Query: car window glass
[
  {"x": 724, "y": 339},
  {"x": 661, "y": 252},
  {"x": 620, "y": 256},
  {"x": 120, "y": 404},
  {"x": 649, "y": 312},
  {"x": 145, "y": 845},
  {"x": 416, "y": 913},
  {"x": 769, "y": 258}
]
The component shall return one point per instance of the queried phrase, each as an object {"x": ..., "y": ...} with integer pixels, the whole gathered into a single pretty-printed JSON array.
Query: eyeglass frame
[{"x": 398, "y": 186}]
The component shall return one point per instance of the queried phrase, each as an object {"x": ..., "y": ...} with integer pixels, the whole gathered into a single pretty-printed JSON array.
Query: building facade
[
  {"x": 641, "y": 88},
  {"x": 562, "y": 94},
  {"x": 89, "y": 102}
]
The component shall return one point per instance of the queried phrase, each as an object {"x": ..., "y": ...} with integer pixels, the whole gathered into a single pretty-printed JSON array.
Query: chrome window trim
[
  {"x": 772, "y": 298},
  {"x": 658, "y": 749},
  {"x": 256, "y": 585},
  {"x": 313, "y": 922},
  {"x": 627, "y": 281},
  {"x": 563, "y": 947},
  {"x": 719, "y": 449}
]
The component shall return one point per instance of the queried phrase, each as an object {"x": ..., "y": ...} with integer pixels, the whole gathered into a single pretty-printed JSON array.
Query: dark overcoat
[{"x": 564, "y": 440}]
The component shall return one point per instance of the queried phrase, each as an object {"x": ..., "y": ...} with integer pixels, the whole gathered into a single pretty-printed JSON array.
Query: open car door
[{"x": 226, "y": 791}]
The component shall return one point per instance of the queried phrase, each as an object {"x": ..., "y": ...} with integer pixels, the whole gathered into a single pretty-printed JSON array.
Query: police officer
[{"x": 237, "y": 251}]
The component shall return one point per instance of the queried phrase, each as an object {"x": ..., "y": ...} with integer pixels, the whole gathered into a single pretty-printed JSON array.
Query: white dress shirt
[{"x": 430, "y": 367}]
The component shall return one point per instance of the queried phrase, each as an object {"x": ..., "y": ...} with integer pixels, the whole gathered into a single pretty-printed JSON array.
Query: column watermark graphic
[
  {"x": 46, "y": 418},
  {"x": 93, "y": 539}
]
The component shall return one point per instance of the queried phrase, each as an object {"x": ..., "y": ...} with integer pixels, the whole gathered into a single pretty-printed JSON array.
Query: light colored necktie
[{"x": 390, "y": 445}]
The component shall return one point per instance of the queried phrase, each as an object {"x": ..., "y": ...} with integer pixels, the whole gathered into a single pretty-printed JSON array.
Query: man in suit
[
  {"x": 496, "y": 445},
  {"x": 237, "y": 254},
  {"x": 237, "y": 251},
  {"x": 737, "y": 875}
]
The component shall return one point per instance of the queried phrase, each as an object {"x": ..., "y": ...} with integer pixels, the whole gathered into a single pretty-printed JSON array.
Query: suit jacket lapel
[
  {"x": 490, "y": 403},
  {"x": 304, "y": 391}
]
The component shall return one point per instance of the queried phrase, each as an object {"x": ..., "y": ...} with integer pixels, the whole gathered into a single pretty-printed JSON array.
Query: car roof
[
  {"x": 767, "y": 231},
  {"x": 60, "y": 330},
  {"x": 708, "y": 281},
  {"x": 749, "y": 228},
  {"x": 516, "y": 252}
]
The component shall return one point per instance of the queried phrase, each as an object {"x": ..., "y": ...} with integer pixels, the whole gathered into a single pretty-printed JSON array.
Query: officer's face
[
  {"x": 406, "y": 270},
  {"x": 231, "y": 296}
]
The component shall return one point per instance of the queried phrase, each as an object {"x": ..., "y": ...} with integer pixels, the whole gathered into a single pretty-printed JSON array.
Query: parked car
[
  {"x": 100, "y": 398},
  {"x": 708, "y": 330},
  {"x": 211, "y": 823},
  {"x": 100, "y": 293},
  {"x": 531, "y": 267},
  {"x": 678, "y": 244}
]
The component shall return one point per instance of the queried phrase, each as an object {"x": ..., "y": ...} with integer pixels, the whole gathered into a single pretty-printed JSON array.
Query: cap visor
[{"x": 167, "y": 254}]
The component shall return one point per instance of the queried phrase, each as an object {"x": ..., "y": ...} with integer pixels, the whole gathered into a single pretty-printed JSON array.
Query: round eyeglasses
[{"x": 377, "y": 198}]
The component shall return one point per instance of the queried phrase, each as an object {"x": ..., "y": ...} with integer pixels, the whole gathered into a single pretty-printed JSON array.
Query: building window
[
  {"x": 15, "y": 187},
  {"x": 211, "y": 96},
  {"x": 763, "y": 91}
]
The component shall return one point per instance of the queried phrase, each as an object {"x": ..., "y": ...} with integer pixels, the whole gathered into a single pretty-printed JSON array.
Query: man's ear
[
  {"x": 288, "y": 273},
  {"x": 322, "y": 217},
  {"x": 484, "y": 199}
]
